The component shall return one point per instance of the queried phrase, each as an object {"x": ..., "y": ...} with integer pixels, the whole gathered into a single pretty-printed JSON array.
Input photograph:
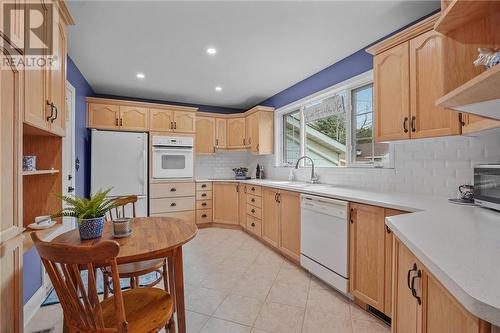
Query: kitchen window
[{"x": 333, "y": 127}]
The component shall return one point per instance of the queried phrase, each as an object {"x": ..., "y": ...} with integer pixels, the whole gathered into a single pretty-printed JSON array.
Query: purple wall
[
  {"x": 32, "y": 274},
  {"x": 342, "y": 70}
]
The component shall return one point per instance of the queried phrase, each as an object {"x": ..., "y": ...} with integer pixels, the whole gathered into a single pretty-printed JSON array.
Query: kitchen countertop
[{"x": 460, "y": 245}]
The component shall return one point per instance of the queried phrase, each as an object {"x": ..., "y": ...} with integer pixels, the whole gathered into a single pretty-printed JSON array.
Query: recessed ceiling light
[
  {"x": 218, "y": 88},
  {"x": 211, "y": 51},
  {"x": 140, "y": 75}
]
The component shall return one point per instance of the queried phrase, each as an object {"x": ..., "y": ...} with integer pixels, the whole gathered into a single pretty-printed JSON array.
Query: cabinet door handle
[
  {"x": 51, "y": 110},
  {"x": 203, "y": 185},
  {"x": 121, "y": 121},
  {"x": 405, "y": 125},
  {"x": 175, "y": 125},
  {"x": 279, "y": 197},
  {"x": 387, "y": 229},
  {"x": 413, "y": 269},
  {"x": 253, "y": 210},
  {"x": 461, "y": 119},
  {"x": 217, "y": 142},
  {"x": 413, "y": 290},
  {"x": 413, "y": 124},
  {"x": 173, "y": 204},
  {"x": 252, "y": 200},
  {"x": 214, "y": 149},
  {"x": 204, "y": 204},
  {"x": 252, "y": 189},
  {"x": 253, "y": 224},
  {"x": 57, "y": 113},
  {"x": 171, "y": 125},
  {"x": 257, "y": 147},
  {"x": 276, "y": 197},
  {"x": 352, "y": 215},
  {"x": 173, "y": 189},
  {"x": 203, "y": 194},
  {"x": 116, "y": 122},
  {"x": 243, "y": 141},
  {"x": 203, "y": 215}
]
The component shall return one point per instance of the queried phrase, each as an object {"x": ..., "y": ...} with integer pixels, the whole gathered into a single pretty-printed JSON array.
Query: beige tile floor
[{"x": 236, "y": 284}]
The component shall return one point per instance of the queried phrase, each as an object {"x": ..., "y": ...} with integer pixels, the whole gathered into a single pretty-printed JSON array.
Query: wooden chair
[
  {"x": 134, "y": 271},
  {"x": 137, "y": 310}
]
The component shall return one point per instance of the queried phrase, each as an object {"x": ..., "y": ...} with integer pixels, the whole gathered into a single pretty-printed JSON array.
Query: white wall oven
[{"x": 173, "y": 157}]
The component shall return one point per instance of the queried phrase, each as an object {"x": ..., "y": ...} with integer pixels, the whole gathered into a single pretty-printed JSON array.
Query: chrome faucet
[{"x": 314, "y": 178}]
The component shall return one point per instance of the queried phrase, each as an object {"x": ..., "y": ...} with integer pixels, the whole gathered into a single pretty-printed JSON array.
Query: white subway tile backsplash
[{"x": 428, "y": 166}]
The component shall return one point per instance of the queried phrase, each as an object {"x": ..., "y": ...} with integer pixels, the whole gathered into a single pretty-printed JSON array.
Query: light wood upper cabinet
[
  {"x": 133, "y": 118},
  {"x": 367, "y": 254},
  {"x": 405, "y": 308},
  {"x": 262, "y": 133},
  {"x": 220, "y": 133},
  {"x": 391, "y": 93},
  {"x": 57, "y": 78},
  {"x": 161, "y": 120},
  {"x": 205, "y": 135},
  {"x": 427, "y": 84},
  {"x": 248, "y": 131},
  {"x": 225, "y": 203},
  {"x": 290, "y": 223},
  {"x": 473, "y": 123},
  {"x": 184, "y": 122},
  {"x": 236, "y": 133},
  {"x": 45, "y": 89},
  {"x": 103, "y": 116},
  {"x": 270, "y": 216},
  {"x": 11, "y": 97}
]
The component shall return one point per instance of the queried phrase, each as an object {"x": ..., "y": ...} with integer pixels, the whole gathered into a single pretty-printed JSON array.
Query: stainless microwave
[{"x": 487, "y": 185}]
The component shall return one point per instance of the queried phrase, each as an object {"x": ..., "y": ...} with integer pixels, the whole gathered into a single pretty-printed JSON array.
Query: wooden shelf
[
  {"x": 40, "y": 172},
  {"x": 482, "y": 88},
  {"x": 461, "y": 12}
]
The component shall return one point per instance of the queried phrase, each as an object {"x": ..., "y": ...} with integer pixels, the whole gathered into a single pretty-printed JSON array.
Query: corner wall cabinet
[
  {"x": 422, "y": 304},
  {"x": 417, "y": 67}
]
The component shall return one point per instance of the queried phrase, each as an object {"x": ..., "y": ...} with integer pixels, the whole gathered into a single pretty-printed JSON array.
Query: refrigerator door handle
[{"x": 142, "y": 168}]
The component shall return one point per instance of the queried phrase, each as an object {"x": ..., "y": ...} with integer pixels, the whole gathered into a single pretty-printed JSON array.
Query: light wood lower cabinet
[
  {"x": 204, "y": 203},
  {"x": 370, "y": 256},
  {"x": 290, "y": 223},
  {"x": 242, "y": 205},
  {"x": 270, "y": 216},
  {"x": 176, "y": 199},
  {"x": 367, "y": 255},
  {"x": 225, "y": 203},
  {"x": 422, "y": 304},
  {"x": 11, "y": 307}
]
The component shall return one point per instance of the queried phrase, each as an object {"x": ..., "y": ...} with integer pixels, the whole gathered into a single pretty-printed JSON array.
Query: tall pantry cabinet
[{"x": 32, "y": 122}]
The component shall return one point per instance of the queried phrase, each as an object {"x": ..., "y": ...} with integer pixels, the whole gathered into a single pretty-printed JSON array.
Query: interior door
[
  {"x": 68, "y": 158},
  {"x": 427, "y": 70}
]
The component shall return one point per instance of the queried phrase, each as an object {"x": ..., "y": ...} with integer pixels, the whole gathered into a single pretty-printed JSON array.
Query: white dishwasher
[{"x": 324, "y": 239}]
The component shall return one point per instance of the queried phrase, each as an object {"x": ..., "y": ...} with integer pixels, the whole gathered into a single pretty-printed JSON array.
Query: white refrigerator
[{"x": 119, "y": 161}]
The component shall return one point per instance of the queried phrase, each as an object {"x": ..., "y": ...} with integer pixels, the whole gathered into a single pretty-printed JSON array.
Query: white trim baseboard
[{"x": 33, "y": 304}]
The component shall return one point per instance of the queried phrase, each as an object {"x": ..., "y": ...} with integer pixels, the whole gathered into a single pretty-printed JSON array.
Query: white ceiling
[{"x": 262, "y": 47}]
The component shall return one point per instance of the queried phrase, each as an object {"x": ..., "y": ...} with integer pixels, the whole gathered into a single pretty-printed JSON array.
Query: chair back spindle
[{"x": 121, "y": 204}]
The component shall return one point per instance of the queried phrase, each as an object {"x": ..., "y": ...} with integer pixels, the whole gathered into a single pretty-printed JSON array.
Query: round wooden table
[{"x": 152, "y": 238}]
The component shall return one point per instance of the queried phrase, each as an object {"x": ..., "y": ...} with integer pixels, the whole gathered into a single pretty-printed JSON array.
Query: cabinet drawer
[
  {"x": 255, "y": 190},
  {"x": 188, "y": 216},
  {"x": 203, "y": 195},
  {"x": 254, "y": 200},
  {"x": 203, "y": 216},
  {"x": 166, "y": 205},
  {"x": 254, "y": 225},
  {"x": 254, "y": 211},
  {"x": 204, "y": 204},
  {"x": 170, "y": 190},
  {"x": 205, "y": 186}
]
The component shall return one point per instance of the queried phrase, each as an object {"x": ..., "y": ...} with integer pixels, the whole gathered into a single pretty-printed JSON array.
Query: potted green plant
[{"x": 90, "y": 213}]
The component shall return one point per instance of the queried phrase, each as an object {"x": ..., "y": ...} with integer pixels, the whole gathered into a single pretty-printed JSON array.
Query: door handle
[
  {"x": 116, "y": 121},
  {"x": 413, "y": 290},
  {"x": 70, "y": 189},
  {"x": 387, "y": 229},
  {"x": 405, "y": 125},
  {"x": 252, "y": 200},
  {"x": 203, "y": 215},
  {"x": 121, "y": 121},
  {"x": 173, "y": 189},
  {"x": 243, "y": 141},
  {"x": 352, "y": 216},
  {"x": 217, "y": 142},
  {"x": 253, "y": 210},
  {"x": 413, "y": 269},
  {"x": 173, "y": 204},
  {"x": 203, "y": 194},
  {"x": 253, "y": 224},
  {"x": 51, "y": 111},
  {"x": 279, "y": 197},
  {"x": 204, "y": 204},
  {"x": 57, "y": 113},
  {"x": 203, "y": 185},
  {"x": 413, "y": 124}
]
